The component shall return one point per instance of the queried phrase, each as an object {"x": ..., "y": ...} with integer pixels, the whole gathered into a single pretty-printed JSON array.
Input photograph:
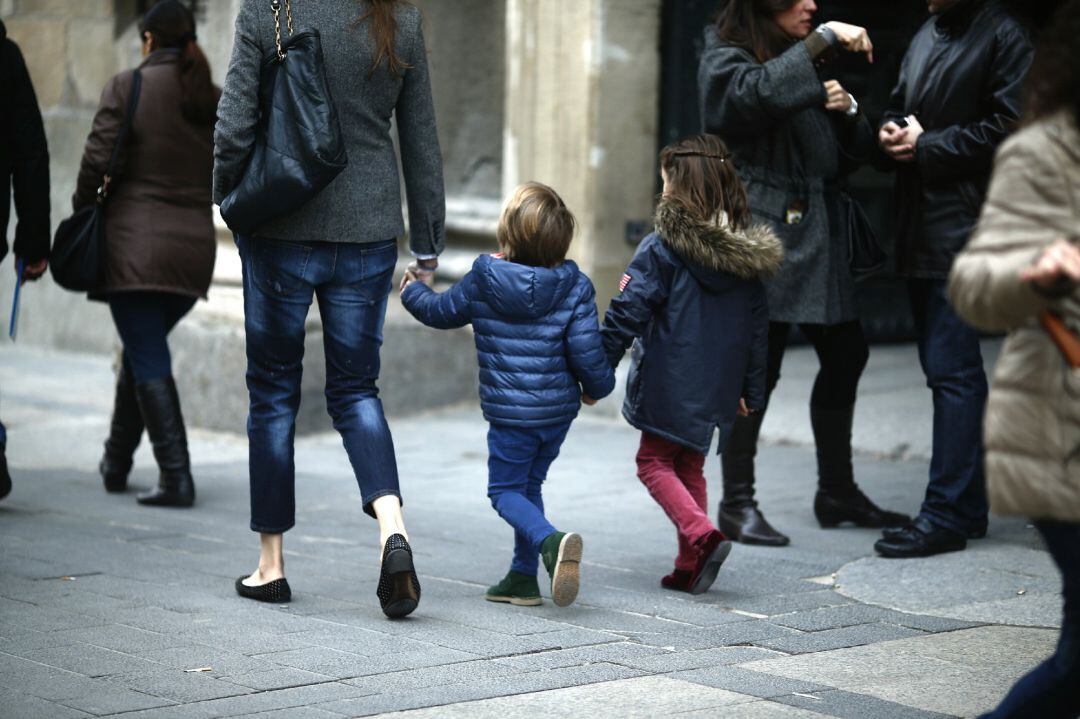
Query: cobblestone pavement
[{"x": 108, "y": 608}]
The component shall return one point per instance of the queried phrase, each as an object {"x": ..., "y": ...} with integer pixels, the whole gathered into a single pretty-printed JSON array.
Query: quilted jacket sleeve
[
  {"x": 585, "y": 349},
  {"x": 645, "y": 289},
  {"x": 443, "y": 311},
  {"x": 1028, "y": 208}
]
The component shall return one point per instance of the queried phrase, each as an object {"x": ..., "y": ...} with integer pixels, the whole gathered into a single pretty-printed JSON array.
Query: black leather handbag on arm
[
  {"x": 79, "y": 246},
  {"x": 866, "y": 254},
  {"x": 299, "y": 148}
]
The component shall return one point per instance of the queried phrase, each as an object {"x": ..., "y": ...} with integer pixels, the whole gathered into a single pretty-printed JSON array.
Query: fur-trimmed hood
[{"x": 750, "y": 254}]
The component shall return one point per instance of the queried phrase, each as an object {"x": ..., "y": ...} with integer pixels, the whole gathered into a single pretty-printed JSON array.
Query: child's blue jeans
[{"x": 518, "y": 462}]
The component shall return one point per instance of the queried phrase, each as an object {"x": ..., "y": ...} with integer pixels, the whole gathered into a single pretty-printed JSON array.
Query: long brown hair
[
  {"x": 1054, "y": 81},
  {"x": 749, "y": 24},
  {"x": 172, "y": 26},
  {"x": 702, "y": 178},
  {"x": 384, "y": 29}
]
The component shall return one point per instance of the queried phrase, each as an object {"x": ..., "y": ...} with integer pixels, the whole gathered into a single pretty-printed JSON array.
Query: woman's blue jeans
[
  {"x": 1052, "y": 689},
  {"x": 351, "y": 283}
]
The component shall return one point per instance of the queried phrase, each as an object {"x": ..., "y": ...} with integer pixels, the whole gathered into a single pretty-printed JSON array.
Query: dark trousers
[
  {"x": 1052, "y": 689},
  {"x": 144, "y": 321},
  {"x": 351, "y": 283},
  {"x": 952, "y": 362},
  {"x": 842, "y": 352},
  {"x": 518, "y": 463}
]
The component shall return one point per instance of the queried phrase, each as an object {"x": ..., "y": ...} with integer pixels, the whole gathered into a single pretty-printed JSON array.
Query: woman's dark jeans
[
  {"x": 1052, "y": 689},
  {"x": 144, "y": 321},
  {"x": 351, "y": 283}
]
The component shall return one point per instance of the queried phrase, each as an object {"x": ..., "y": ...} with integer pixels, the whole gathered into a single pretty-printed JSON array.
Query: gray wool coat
[
  {"x": 363, "y": 204},
  {"x": 790, "y": 151}
]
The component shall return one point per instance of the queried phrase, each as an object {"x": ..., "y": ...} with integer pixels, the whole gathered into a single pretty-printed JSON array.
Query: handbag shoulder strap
[{"x": 125, "y": 130}]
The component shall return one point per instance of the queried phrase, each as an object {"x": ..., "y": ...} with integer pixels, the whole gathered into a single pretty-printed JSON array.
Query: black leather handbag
[
  {"x": 79, "y": 246},
  {"x": 867, "y": 258},
  {"x": 299, "y": 148}
]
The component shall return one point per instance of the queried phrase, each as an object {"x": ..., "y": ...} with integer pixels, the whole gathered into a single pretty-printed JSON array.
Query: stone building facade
[{"x": 561, "y": 91}]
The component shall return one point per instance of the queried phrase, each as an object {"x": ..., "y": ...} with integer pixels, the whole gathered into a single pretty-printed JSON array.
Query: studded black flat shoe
[
  {"x": 399, "y": 588},
  {"x": 275, "y": 592}
]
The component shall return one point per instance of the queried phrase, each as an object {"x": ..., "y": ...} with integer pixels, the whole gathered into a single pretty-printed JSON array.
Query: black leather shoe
[
  {"x": 275, "y": 592},
  {"x": 399, "y": 587},
  {"x": 856, "y": 508},
  {"x": 893, "y": 532},
  {"x": 920, "y": 539},
  {"x": 748, "y": 525},
  {"x": 159, "y": 404},
  {"x": 125, "y": 432}
]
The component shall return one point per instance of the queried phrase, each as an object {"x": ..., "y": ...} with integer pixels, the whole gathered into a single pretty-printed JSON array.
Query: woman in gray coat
[
  {"x": 340, "y": 248},
  {"x": 794, "y": 136}
]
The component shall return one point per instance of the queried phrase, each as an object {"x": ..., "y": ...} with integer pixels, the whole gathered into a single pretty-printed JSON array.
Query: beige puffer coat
[{"x": 1032, "y": 426}]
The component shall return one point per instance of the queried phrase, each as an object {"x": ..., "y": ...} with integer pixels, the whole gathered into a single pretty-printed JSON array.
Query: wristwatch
[{"x": 854, "y": 109}]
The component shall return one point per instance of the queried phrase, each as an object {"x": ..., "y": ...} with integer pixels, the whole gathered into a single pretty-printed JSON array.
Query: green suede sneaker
[
  {"x": 561, "y": 553},
  {"x": 516, "y": 588}
]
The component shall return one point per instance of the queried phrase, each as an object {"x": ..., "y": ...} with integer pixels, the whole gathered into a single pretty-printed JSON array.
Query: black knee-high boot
[
  {"x": 739, "y": 516},
  {"x": 125, "y": 432},
  {"x": 838, "y": 498},
  {"x": 160, "y": 406}
]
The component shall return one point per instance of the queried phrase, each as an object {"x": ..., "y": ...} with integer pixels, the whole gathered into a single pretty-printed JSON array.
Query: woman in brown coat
[
  {"x": 1022, "y": 263},
  {"x": 159, "y": 237}
]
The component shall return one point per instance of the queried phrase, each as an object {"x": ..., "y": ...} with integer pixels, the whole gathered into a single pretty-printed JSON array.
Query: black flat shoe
[
  {"x": 920, "y": 539},
  {"x": 893, "y": 532},
  {"x": 399, "y": 588},
  {"x": 855, "y": 508},
  {"x": 749, "y": 526},
  {"x": 275, "y": 592}
]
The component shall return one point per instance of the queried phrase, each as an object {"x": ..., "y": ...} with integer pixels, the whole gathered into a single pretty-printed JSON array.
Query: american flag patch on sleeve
[{"x": 624, "y": 282}]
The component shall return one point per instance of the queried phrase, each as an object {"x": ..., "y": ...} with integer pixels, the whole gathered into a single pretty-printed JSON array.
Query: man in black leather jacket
[
  {"x": 24, "y": 168},
  {"x": 958, "y": 97}
]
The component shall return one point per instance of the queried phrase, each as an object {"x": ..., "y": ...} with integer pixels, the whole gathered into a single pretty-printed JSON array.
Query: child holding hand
[
  {"x": 693, "y": 305},
  {"x": 534, "y": 317}
]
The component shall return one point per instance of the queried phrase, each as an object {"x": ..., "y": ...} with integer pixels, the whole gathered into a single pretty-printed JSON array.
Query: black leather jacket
[
  {"x": 24, "y": 158},
  {"x": 962, "y": 78}
]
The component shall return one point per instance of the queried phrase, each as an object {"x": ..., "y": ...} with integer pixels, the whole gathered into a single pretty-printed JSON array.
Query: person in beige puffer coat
[{"x": 1024, "y": 262}]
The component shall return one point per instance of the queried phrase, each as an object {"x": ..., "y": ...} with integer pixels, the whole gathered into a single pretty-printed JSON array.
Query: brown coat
[
  {"x": 159, "y": 228},
  {"x": 1032, "y": 426}
]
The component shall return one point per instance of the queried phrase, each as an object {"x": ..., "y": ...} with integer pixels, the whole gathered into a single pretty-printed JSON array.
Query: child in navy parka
[
  {"x": 693, "y": 305},
  {"x": 537, "y": 337}
]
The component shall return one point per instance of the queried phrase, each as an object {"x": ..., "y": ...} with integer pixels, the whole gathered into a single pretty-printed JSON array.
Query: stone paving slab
[{"x": 108, "y": 608}]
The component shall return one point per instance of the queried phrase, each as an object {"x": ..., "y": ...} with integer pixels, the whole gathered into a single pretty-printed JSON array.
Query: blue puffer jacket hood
[
  {"x": 523, "y": 291},
  {"x": 537, "y": 337}
]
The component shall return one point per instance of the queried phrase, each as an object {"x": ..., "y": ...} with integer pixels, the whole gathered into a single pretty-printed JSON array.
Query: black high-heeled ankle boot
[
  {"x": 839, "y": 500},
  {"x": 739, "y": 517},
  {"x": 159, "y": 403},
  {"x": 125, "y": 433}
]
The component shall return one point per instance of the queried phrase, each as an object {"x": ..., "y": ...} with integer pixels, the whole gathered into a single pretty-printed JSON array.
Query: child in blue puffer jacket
[{"x": 537, "y": 336}]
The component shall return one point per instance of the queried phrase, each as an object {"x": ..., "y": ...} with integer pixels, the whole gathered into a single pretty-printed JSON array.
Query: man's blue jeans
[
  {"x": 351, "y": 283},
  {"x": 952, "y": 362},
  {"x": 518, "y": 463},
  {"x": 1052, "y": 689}
]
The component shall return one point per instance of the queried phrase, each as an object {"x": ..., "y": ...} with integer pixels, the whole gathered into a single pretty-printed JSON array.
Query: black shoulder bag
[
  {"x": 299, "y": 149},
  {"x": 865, "y": 252},
  {"x": 78, "y": 253}
]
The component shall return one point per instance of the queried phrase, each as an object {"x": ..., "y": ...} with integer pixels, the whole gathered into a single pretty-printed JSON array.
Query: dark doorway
[{"x": 891, "y": 25}]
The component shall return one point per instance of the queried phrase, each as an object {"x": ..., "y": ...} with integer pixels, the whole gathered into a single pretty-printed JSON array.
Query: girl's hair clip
[{"x": 691, "y": 153}]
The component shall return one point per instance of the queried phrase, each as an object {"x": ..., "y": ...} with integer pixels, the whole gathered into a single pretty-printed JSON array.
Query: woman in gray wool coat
[
  {"x": 340, "y": 249},
  {"x": 794, "y": 137}
]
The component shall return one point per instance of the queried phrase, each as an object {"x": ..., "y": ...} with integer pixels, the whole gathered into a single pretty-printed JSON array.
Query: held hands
[
  {"x": 899, "y": 143},
  {"x": 419, "y": 271},
  {"x": 852, "y": 38},
  {"x": 839, "y": 100},
  {"x": 1060, "y": 261},
  {"x": 587, "y": 400}
]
